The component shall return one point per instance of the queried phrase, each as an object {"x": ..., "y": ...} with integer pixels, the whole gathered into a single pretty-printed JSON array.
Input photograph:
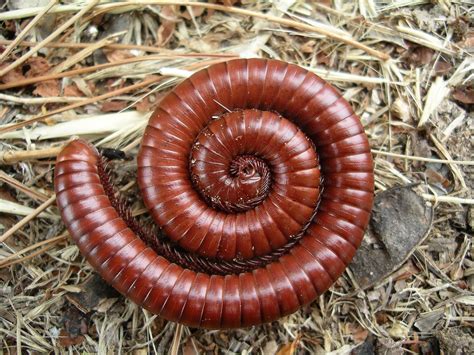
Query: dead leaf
[
  {"x": 381, "y": 318},
  {"x": 149, "y": 103},
  {"x": 117, "y": 55},
  {"x": 168, "y": 20},
  {"x": 464, "y": 94},
  {"x": 460, "y": 28},
  {"x": 112, "y": 84},
  {"x": 468, "y": 43},
  {"x": 48, "y": 88},
  {"x": 143, "y": 105},
  {"x": 10, "y": 26},
  {"x": 38, "y": 66},
  {"x": 406, "y": 271},
  {"x": 98, "y": 19},
  {"x": 72, "y": 91},
  {"x": 324, "y": 59},
  {"x": 418, "y": 55},
  {"x": 66, "y": 340},
  {"x": 441, "y": 67},
  {"x": 400, "y": 221},
  {"x": 308, "y": 46},
  {"x": 436, "y": 178},
  {"x": 196, "y": 12},
  {"x": 290, "y": 348},
  {"x": 421, "y": 148},
  {"x": 113, "y": 106},
  {"x": 5, "y": 194},
  {"x": 74, "y": 326},
  {"x": 189, "y": 348},
  {"x": 358, "y": 333},
  {"x": 93, "y": 292},
  {"x": 6, "y": 222},
  {"x": 12, "y": 76}
]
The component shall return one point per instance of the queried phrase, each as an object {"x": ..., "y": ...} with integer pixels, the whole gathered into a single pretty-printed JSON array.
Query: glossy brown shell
[{"x": 237, "y": 161}]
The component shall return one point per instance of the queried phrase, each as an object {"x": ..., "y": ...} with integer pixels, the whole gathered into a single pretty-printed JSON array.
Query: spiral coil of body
[{"x": 231, "y": 168}]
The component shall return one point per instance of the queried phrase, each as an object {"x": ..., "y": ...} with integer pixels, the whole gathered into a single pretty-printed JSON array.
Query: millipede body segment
[{"x": 260, "y": 176}]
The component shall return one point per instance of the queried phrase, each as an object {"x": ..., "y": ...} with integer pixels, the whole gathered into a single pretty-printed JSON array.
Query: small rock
[{"x": 400, "y": 221}]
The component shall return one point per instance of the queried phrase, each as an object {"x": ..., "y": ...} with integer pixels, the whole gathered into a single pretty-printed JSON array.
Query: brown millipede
[{"x": 262, "y": 208}]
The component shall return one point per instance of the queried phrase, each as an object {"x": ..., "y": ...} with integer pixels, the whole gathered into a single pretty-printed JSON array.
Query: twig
[
  {"x": 39, "y": 100},
  {"x": 330, "y": 10},
  {"x": 48, "y": 39},
  {"x": 80, "y": 104},
  {"x": 19, "y": 209},
  {"x": 431, "y": 160},
  {"x": 27, "y": 219},
  {"x": 120, "y": 46},
  {"x": 86, "y": 44},
  {"x": 52, "y": 241},
  {"x": 83, "y": 53},
  {"x": 28, "y": 257},
  {"x": 444, "y": 152},
  {"x": 85, "y": 70},
  {"x": 176, "y": 339},
  {"x": 21, "y": 187},
  {"x": 26, "y": 30},
  {"x": 14, "y": 156},
  {"x": 244, "y": 12},
  {"x": 449, "y": 199},
  {"x": 8, "y": 128},
  {"x": 230, "y": 9}
]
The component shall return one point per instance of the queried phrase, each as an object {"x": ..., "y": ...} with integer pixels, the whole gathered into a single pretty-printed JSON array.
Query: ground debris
[
  {"x": 74, "y": 328},
  {"x": 422, "y": 303},
  {"x": 464, "y": 94},
  {"x": 455, "y": 341},
  {"x": 93, "y": 292}
]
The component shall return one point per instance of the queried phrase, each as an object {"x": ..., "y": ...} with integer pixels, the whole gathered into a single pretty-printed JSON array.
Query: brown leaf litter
[{"x": 403, "y": 65}]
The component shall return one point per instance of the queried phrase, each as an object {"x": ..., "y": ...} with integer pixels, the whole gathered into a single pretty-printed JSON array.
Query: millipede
[{"x": 259, "y": 177}]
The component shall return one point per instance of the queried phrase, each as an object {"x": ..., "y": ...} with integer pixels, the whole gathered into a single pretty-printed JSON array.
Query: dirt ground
[{"x": 97, "y": 69}]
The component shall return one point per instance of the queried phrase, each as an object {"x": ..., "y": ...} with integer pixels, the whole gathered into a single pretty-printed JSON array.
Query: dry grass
[{"x": 399, "y": 63}]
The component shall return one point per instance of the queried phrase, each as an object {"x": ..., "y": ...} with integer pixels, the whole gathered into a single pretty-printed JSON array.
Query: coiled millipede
[{"x": 260, "y": 177}]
